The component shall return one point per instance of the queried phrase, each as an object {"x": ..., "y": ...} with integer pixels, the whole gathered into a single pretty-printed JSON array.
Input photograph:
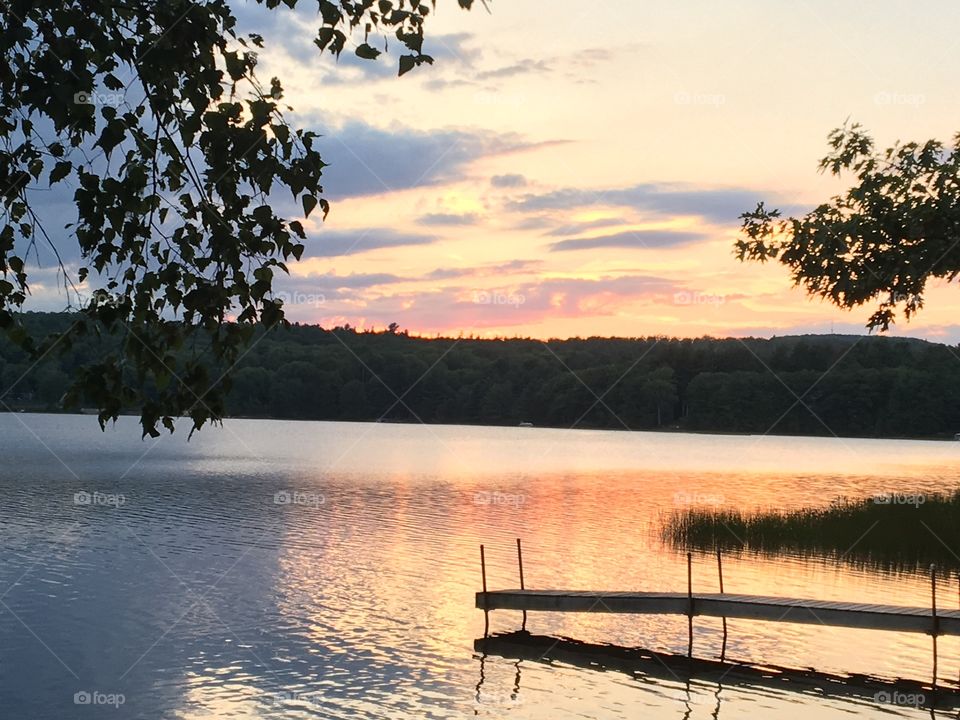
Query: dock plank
[{"x": 749, "y": 607}]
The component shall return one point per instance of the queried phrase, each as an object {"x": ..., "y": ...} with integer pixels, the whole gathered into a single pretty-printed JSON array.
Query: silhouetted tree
[
  {"x": 881, "y": 241},
  {"x": 154, "y": 115}
]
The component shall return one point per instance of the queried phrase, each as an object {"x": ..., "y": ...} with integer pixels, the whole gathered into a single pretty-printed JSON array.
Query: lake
[{"x": 271, "y": 569}]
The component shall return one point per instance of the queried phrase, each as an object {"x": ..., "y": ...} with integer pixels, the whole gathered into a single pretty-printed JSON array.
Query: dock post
[
  {"x": 689, "y": 604},
  {"x": 523, "y": 627},
  {"x": 486, "y": 609},
  {"x": 936, "y": 622},
  {"x": 723, "y": 647}
]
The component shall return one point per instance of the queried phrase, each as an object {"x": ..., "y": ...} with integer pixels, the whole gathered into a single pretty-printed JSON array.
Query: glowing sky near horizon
[{"x": 574, "y": 168}]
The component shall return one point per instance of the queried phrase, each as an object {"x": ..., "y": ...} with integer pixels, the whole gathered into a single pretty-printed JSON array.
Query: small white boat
[{"x": 526, "y": 424}]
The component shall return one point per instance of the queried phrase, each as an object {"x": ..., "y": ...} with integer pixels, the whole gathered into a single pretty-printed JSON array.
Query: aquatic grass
[{"x": 892, "y": 530}]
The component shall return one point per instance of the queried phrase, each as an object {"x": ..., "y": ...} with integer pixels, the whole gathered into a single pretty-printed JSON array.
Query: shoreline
[{"x": 13, "y": 410}]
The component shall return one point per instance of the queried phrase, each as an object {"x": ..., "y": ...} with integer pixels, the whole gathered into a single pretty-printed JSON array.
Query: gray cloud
[
  {"x": 293, "y": 30},
  {"x": 438, "y": 84},
  {"x": 451, "y": 47},
  {"x": 448, "y": 273},
  {"x": 638, "y": 239},
  {"x": 353, "y": 281},
  {"x": 333, "y": 286},
  {"x": 381, "y": 68},
  {"x": 519, "y": 68},
  {"x": 507, "y": 268},
  {"x": 334, "y": 243},
  {"x": 289, "y": 29},
  {"x": 448, "y": 219},
  {"x": 508, "y": 181},
  {"x": 536, "y": 222},
  {"x": 577, "y": 228},
  {"x": 365, "y": 160},
  {"x": 446, "y": 50},
  {"x": 718, "y": 205}
]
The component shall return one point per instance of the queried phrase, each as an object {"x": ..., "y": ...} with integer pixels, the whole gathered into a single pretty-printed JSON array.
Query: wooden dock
[
  {"x": 930, "y": 620},
  {"x": 727, "y": 605}
]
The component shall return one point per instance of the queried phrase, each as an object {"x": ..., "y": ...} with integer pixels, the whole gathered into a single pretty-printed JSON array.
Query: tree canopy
[
  {"x": 801, "y": 385},
  {"x": 152, "y": 113},
  {"x": 883, "y": 240}
]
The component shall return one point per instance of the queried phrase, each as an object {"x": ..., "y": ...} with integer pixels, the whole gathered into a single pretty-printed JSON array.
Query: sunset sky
[{"x": 572, "y": 168}]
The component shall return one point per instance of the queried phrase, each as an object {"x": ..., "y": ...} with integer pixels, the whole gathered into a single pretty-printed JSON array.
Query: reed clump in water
[{"x": 892, "y": 529}]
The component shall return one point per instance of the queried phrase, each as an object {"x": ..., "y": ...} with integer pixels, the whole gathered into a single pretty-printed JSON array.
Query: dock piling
[
  {"x": 936, "y": 622},
  {"x": 689, "y": 604},
  {"x": 486, "y": 603},
  {"x": 723, "y": 647},
  {"x": 522, "y": 587}
]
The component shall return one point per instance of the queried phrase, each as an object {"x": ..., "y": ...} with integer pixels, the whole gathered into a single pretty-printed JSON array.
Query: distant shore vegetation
[{"x": 798, "y": 385}]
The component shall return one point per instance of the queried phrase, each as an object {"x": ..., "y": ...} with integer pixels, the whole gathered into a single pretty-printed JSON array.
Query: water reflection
[
  {"x": 702, "y": 681},
  {"x": 203, "y": 596},
  {"x": 488, "y": 697}
]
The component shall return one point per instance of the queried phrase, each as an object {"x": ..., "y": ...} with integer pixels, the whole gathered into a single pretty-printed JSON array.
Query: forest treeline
[{"x": 804, "y": 385}]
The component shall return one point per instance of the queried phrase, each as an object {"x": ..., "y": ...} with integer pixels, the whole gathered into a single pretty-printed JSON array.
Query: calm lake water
[{"x": 272, "y": 569}]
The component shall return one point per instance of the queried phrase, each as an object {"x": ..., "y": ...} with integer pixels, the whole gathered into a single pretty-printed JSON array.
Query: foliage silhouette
[
  {"x": 883, "y": 240},
  {"x": 153, "y": 114}
]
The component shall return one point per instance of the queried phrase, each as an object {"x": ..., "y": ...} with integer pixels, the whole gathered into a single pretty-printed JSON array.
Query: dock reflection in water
[{"x": 696, "y": 681}]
